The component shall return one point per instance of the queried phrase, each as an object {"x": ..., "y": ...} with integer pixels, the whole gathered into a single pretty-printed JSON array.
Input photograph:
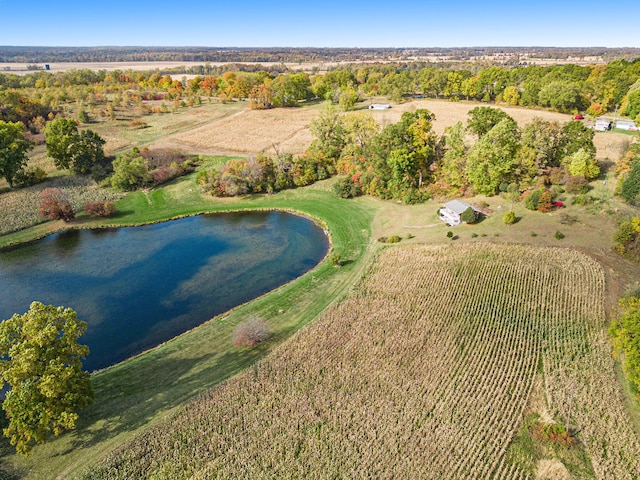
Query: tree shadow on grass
[{"x": 142, "y": 391}]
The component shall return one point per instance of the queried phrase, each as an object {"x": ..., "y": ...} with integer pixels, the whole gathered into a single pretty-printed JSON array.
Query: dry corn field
[{"x": 424, "y": 371}]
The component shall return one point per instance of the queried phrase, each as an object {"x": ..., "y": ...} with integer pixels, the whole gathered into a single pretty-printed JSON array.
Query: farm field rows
[{"x": 426, "y": 370}]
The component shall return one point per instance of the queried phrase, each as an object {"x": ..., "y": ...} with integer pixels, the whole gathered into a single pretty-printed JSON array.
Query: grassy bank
[{"x": 135, "y": 394}]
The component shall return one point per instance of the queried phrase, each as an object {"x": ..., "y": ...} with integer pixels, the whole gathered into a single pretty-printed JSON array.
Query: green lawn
[{"x": 138, "y": 392}]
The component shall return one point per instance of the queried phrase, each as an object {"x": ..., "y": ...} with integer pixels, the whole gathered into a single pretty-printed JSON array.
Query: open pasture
[{"x": 426, "y": 370}]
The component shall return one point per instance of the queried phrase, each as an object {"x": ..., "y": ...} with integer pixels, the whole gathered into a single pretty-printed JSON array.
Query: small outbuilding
[
  {"x": 451, "y": 211},
  {"x": 602, "y": 124},
  {"x": 626, "y": 125}
]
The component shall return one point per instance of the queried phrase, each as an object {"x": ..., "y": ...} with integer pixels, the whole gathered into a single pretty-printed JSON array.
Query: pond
[{"x": 137, "y": 287}]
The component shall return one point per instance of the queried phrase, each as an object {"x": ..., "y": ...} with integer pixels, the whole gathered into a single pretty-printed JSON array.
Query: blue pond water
[{"x": 140, "y": 286}]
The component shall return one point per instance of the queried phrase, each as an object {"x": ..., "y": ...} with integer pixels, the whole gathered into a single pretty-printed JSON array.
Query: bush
[
  {"x": 345, "y": 188},
  {"x": 567, "y": 219},
  {"x": 469, "y": 216},
  {"x": 577, "y": 184},
  {"x": 391, "y": 239},
  {"x": 626, "y": 240},
  {"x": 583, "y": 200},
  {"x": 100, "y": 209},
  {"x": 26, "y": 178},
  {"x": 250, "y": 333},
  {"x": 544, "y": 202},
  {"x": 559, "y": 235},
  {"x": 335, "y": 259},
  {"x": 532, "y": 199},
  {"x": 55, "y": 205},
  {"x": 509, "y": 218}
]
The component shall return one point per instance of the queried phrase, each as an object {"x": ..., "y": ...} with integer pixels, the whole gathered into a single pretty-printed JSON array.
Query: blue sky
[{"x": 329, "y": 23}]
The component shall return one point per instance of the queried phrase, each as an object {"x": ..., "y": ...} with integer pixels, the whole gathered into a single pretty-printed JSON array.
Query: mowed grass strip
[
  {"x": 424, "y": 371},
  {"x": 137, "y": 393}
]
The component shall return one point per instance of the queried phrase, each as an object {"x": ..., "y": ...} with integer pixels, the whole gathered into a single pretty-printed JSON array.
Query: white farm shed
[
  {"x": 451, "y": 211},
  {"x": 602, "y": 124},
  {"x": 626, "y": 125}
]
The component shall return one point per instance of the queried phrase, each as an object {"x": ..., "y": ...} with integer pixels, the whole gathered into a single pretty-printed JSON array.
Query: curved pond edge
[
  {"x": 95, "y": 224},
  {"x": 90, "y": 225}
]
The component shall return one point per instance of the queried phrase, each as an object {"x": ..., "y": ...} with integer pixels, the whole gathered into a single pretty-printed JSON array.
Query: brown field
[
  {"x": 249, "y": 132},
  {"x": 287, "y": 130},
  {"x": 430, "y": 369}
]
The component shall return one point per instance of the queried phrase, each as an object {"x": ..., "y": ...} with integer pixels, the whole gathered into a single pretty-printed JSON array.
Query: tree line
[
  {"x": 595, "y": 89},
  {"x": 407, "y": 161},
  {"x": 25, "y": 54}
]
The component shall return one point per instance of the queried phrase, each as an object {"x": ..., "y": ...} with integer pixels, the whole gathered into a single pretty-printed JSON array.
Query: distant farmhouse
[
  {"x": 379, "y": 106},
  {"x": 451, "y": 211}
]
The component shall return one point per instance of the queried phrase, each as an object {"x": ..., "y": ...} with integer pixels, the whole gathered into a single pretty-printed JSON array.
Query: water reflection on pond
[{"x": 140, "y": 286}]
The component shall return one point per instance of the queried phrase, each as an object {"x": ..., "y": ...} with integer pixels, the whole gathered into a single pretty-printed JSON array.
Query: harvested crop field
[
  {"x": 448, "y": 113},
  {"x": 427, "y": 370},
  {"x": 287, "y": 130},
  {"x": 250, "y": 132}
]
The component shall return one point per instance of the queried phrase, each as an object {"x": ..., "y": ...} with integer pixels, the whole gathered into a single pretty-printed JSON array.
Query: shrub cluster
[
  {"x": 100, "y": 209},
  {"x": 250, "y": 333}
]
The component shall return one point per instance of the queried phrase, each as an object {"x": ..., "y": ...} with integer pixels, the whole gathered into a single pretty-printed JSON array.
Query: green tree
[
  {"x": 453, "y": 164},
  {"x": 576, "y": 136},
  {"x": 546, "y": 139},
  {"x": 625, "y": 333},
  {"x": 511, "y": 95},
  {"x": 290, "y": 88},
  {"x": 347, "y": 98},
  {"x": 483, "y": 119},
  {"x": 454, "y": 85},
  {"x": 630, "y": 190},
  {"x": 562, "y": 96},
  {"x": 329, "y": 131},
  {"x": 469, "y": 216},
  {"x": 433, "y": 82},
  {"x": 470, "y": 87},
  {"x": 130, "y": 171},
  {"x": 42, "y": 363},
  {"x": 61, "y": 135},
  {"x": 73, "y": 149},
  {"x": 492, "y": 159},
  {"x": 13, "y": 150},
  {"x": 583, "y": 163},
  {"x": 87, "y": 151}
]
